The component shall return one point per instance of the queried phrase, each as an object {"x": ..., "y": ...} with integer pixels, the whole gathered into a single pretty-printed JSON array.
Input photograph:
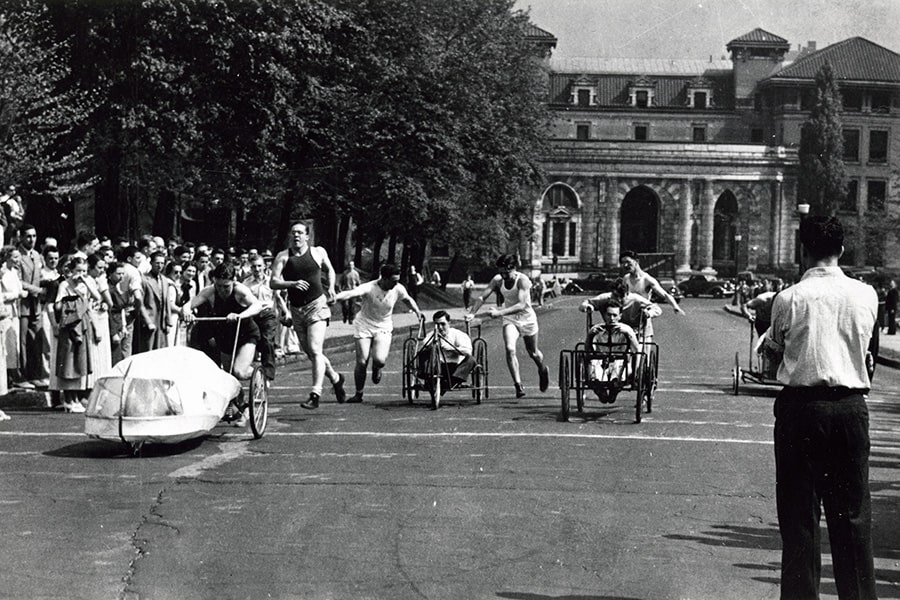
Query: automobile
[
  {"x": 668, "y": 284},
  {"x": 594, "y": 283},
  {"x": 706, "y": 285}
]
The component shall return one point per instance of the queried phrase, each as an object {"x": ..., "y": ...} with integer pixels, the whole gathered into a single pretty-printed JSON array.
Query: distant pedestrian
[
  {"x": 890, "y": 307},
  {"x": 467, "y": 286},
  {"x": 349, "y": 280},
  {"x": 821, "y": 329},
  {"x": 436, "y": 278},
  {"x": 414, "y": 282}
]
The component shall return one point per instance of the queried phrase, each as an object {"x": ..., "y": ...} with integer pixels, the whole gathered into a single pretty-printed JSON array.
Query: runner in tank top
[
  {"x": 519, "y": 319},
  {"x": 234, "y": 301},
  {"x": 306, "y": 273}
]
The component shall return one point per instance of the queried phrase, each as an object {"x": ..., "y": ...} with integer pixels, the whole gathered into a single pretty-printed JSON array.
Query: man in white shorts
[
  {"x": 519, "y": 319},
  {"x": 374, "y": 323}
]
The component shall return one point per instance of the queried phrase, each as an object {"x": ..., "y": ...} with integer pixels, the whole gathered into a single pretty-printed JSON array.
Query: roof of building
[
  {"x": 669, "y": 91},
  {"x": 758, "y": 37},
  {"x": 853, "y": 59},
  {"x": 533, "y": 32},
  {"x": 646, "y": 66}
]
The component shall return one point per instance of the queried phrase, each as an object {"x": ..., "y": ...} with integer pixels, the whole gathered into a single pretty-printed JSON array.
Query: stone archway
[
  {"x": 639, "y": 220},
  {"x": 725, "y": 231}
]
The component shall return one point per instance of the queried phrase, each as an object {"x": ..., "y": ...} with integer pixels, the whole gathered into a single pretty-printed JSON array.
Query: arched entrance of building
[
  {"x": 640, "y": 220},
  {"x": 725, "y": 234}
]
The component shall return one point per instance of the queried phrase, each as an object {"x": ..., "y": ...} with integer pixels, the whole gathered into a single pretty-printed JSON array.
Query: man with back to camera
[{"x": 821, "y": 329}]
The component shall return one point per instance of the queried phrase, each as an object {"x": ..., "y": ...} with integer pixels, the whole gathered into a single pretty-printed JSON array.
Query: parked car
[
  {"x": 594, "y": 283},
  {"x": 706, "y": 285},
  {"x": 668, "y": 284}
]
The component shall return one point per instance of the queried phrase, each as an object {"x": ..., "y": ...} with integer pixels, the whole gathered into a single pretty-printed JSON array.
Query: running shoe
[
  {"x": 545, "y": 378},
  {"x": 311, "y": 402},
  {"x": 376, "y": 374},
  {"x": 338, "y": 386}
]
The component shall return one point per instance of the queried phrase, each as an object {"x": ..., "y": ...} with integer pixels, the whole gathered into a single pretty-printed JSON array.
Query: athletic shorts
[
  {"x": 365, "y": 330},
  {"x": 311, "y": 312},
  {"x": 525, "y": 322}
]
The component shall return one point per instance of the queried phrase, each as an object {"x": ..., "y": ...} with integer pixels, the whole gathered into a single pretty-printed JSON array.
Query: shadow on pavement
[
  {"x": 103, "y": 449},
  {"x": 529, "y": 596},
  {"x": 734, "y": 536}
]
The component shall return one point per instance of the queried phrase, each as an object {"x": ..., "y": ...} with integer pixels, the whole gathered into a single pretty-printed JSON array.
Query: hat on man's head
[{"x": 267, "y": 253}]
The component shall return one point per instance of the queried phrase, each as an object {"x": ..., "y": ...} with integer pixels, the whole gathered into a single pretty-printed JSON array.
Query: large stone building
[{"x": 697, "y": 159}]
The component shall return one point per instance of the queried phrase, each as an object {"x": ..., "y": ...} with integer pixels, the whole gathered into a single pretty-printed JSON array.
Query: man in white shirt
[
  {"x": 821, "y": 328},
  {"x": 456, "y": 349},
  {"x": 131, "y": 287},
  {"x": 374, "y": 323}
]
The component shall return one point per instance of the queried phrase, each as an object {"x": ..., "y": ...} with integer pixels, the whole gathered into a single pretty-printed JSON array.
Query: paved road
[{"x": 388, "y": 500}]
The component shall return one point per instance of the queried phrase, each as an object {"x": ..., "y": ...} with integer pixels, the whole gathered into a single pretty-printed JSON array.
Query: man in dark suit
[
  {"x": 30, "y": 347},
  {"x": 890, "y": 307},
  {"x": 153, "y": 324}
]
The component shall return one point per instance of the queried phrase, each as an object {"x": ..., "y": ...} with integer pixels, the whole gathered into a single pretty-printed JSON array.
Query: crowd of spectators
[{"x": 65, "y": 319}]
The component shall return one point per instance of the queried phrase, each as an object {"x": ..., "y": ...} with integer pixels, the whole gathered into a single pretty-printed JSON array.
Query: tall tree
[
  {"x": 39, "y": 109},
  {"x": 821, "y": 180}
]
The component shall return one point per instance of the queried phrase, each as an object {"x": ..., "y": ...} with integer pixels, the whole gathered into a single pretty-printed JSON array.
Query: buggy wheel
[
  {"x": 259, "y": 402},
  {"x": 652, "y": 377},
  {"x": 479, "y": 373},
  {"x": 564, "y": 387},
  {"x": 434, "y": 373},
  {"x": 736, "y": 374},
  {"x": 639, "y": 384},
  {"x": 408, "y": 380}
]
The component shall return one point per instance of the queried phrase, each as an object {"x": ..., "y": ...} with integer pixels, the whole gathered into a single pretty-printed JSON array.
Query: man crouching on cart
[
  {"x": 630, "y": 325},
  {"x": 456, "y": 350},
  {"x": 235, "y": 334}
]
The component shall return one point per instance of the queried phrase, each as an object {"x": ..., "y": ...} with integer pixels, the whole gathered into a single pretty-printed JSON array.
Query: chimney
[{"x": 811, "y": 45}]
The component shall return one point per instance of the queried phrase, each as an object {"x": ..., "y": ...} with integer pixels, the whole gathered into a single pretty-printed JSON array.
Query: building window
[
  {"x": 807, "y": 99},
  {"x": 584, "y": 97},
  {"x": 851, "y": 145},
  {"x": 699, "y": 133},
  {"x": 572, "y": 230},
  {"x": 875, "y": 195},
  {"x": 583, "y": 131},
  {"x": 545, "y": 236},
  {"x": 642, "y": 99},
  {"x": 878, "y": 146},
  {"x": 700, "y": 99},
  {"x": 756, "y": 135},
  {"x": 849, "y": 202},
  {"x": 852, "y": 100},
  {"x": 881, "y": 101},
  {"x": 641, "y": 133}
]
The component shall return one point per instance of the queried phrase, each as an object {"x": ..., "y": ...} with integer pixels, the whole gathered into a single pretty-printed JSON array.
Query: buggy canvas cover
[{"x": 167, "y": 395}]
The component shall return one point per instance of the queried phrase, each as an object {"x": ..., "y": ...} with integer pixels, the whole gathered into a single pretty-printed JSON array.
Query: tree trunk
[
  {"x": 358, "y": 251},
  {"x": 392, "y": 249},
  {"x": 340, "y": 251},
  {"x": 376, "y": 255},
  {"x": 446, "y": 275}
]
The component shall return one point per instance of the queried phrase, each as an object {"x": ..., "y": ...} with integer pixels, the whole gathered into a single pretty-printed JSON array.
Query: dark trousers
[
  {"x": 31, "y": 349},
  {"x": 348, "y": 310},
  {"x": 268, "y": 326},
  {"x": 891, "y": 320},
  {"x": 822, "y": 460}
]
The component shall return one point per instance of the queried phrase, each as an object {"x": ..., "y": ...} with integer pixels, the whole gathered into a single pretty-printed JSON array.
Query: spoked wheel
[
  {"x": 259, "y": 402},
  {"x": 736, "y": 374},
  {"x": 641, "y": 389},
  {"x": 479, "y": 373},
  {"x": 408, "y": 381},
  {"x": 652, "y": 378},
  {"x": 564, "y": 387},
  {"x": 434, "y": 373}
]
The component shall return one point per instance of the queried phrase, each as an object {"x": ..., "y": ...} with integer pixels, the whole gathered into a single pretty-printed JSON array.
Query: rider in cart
[
  {"x": 234, "y": 303},
  {"x": 456, "y": 350},
  {"x": 636, "y": 310},
  {"x": 608, "y": 375}
]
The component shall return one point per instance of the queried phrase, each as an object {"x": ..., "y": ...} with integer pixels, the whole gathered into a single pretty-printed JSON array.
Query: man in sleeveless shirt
[
  {"x": 306, "y": 273},
  {"x": 519, "y": 319},
  {"x": 642, "y": 283},
  {"x": 374, "y": 324}
]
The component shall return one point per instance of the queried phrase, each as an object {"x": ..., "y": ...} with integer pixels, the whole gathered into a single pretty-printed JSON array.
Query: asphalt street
[{"x": 392, "y": 500}]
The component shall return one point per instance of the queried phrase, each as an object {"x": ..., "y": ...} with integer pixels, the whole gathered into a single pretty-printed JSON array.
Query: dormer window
[
  {"x": 700, "y": 93},
  {"x": 584, "y": 92},
  {"x": 641, "y": 93}
]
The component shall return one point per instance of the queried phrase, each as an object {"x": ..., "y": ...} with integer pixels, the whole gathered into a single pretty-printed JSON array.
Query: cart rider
[
  {"x": 456, "y": 349},
  {"x": 636, "y": 311},
  {"x": 642, "y": 283},
  {"x": 607, "y": 375},
  {"x": 236, "y": 303}
]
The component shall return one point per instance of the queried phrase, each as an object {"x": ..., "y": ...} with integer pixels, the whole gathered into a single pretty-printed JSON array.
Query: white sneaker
[
  {"x": 4, "y": 416},
  {"x": 74, "y": 407},
  {"x": 242, "y": 420}
]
